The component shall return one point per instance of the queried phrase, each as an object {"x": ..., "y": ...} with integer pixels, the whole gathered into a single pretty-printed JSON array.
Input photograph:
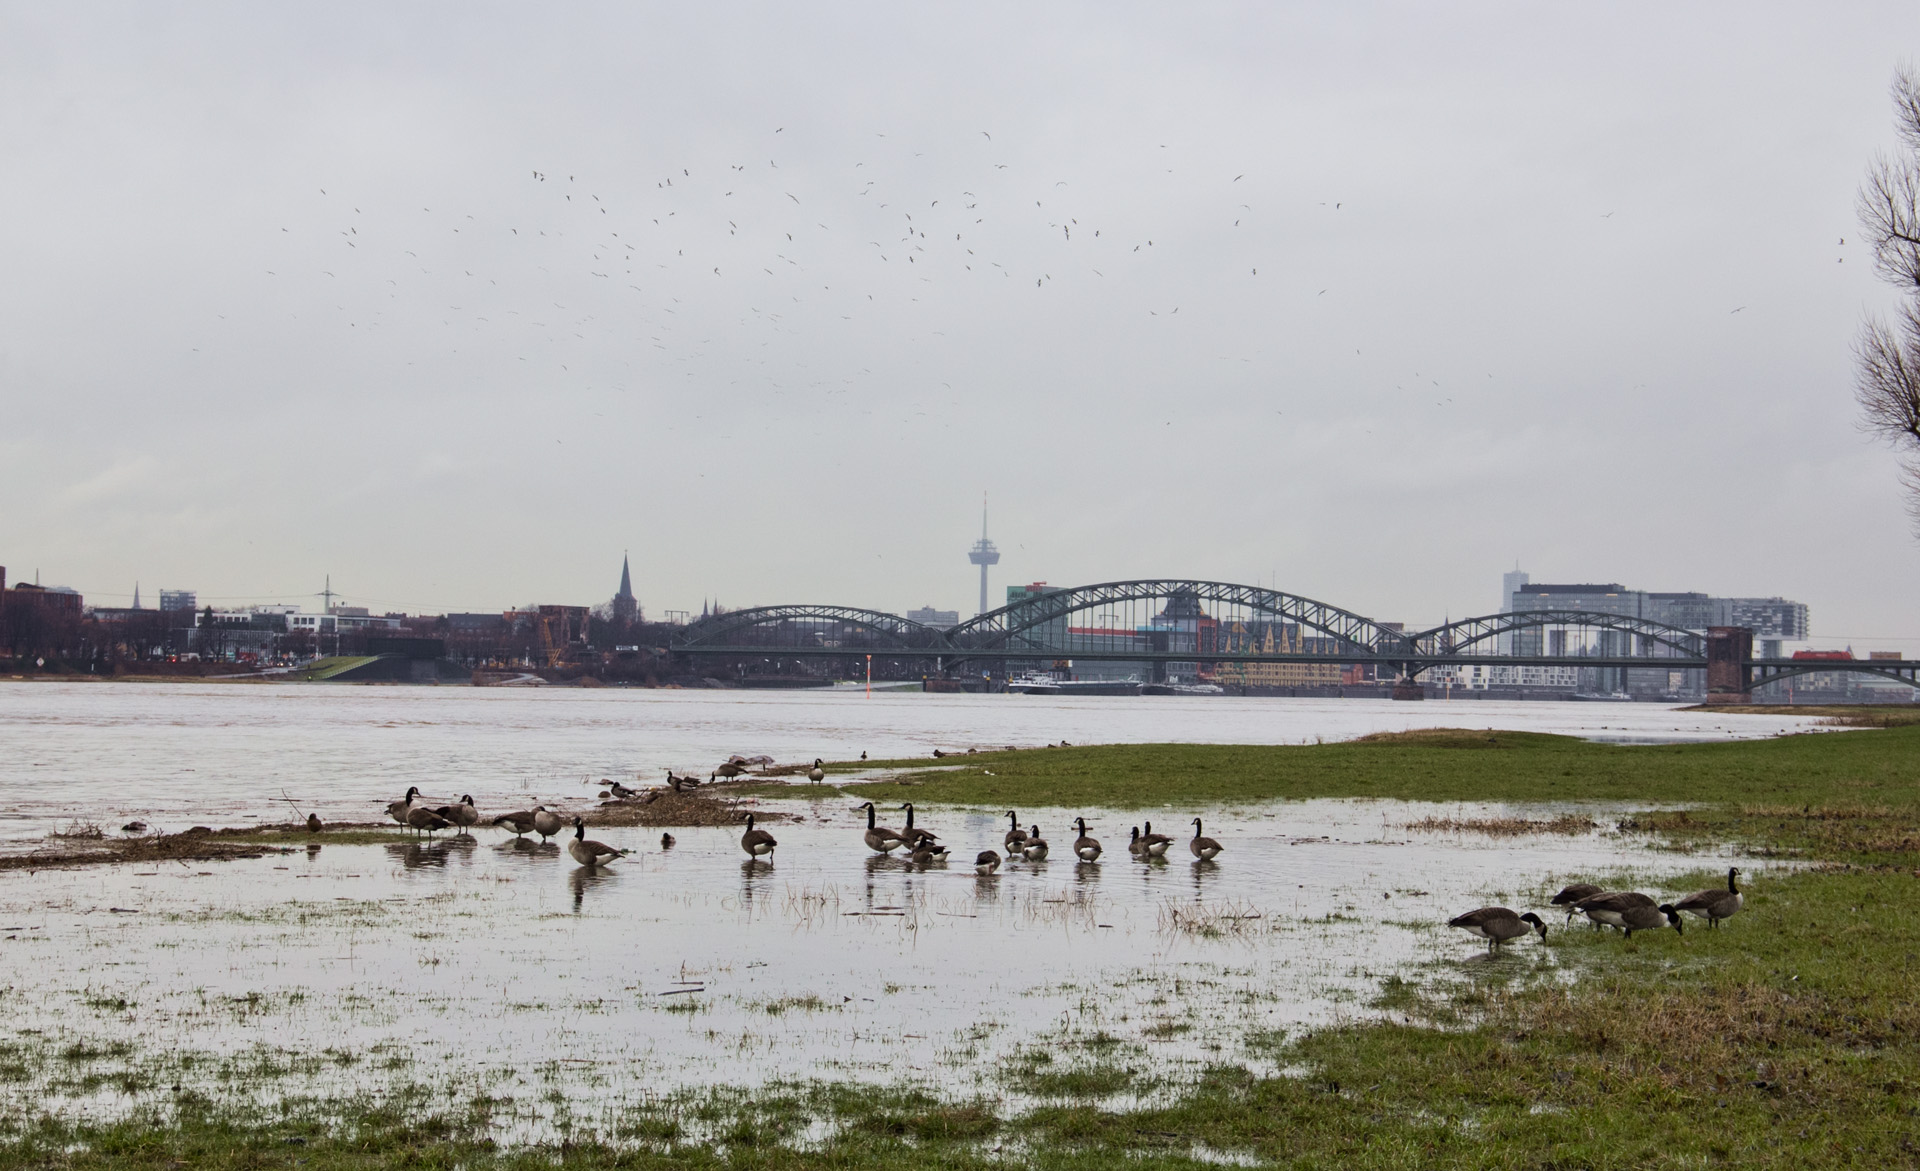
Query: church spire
[
  {"x": 625, "y": 607},
  {"x": 626, "y": 579}
]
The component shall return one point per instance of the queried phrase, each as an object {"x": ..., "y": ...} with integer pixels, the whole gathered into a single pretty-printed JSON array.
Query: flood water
[{"x": 489, "y": 964}]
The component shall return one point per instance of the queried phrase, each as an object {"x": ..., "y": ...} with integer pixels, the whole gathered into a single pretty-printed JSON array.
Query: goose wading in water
[
  {"x": 546, "y": 822},
  {"x": 757, "y": 842},
  {"x": 426, "y": 820},
  {"x": 1715, "y": 905},
  {"x": 1497, "y": 925},
  {"x": 1154, "y": 845},
  {"x": 1016, "y": 839},
  {"x": 912, "y": 836},
  {"x": 1035, "y": 847},
  {"x": 986, "y": 862},
  {"x": 520, "y": 822},
  {"x": 1085, "y": 848},
  {"x": 463, "y": 814},
  {"x": 1135, "y": 846},
  {"x": 590, "y": 853},
  {"x": 878, "y": 837},
  {"x": 1204, "y": 848}
]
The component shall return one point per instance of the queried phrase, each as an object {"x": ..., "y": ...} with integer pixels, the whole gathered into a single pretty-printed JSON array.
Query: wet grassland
[{"x": 1790, "y": 1036}]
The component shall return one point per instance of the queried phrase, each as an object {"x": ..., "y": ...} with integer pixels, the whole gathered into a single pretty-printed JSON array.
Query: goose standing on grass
[
  {"x": 590, "y": 853},
  {"x": 1085, "y": 848},
  {"x": 1715, "y": 905},
  {"x": 398, "y": 809},
  {"x": 912, "y": 836},
  {"x": 1154, "y": 845},
  {"x": 1569, "y": 895},
  {"x": 986, "y": 862},
  {"x": 313, "y": 823},
  {"x": 1607, "y": 907},
  {"x": 878, "y": 837},
  {"x": 1497, "y": 925},
  {"x": 1034, "y": 849},
  {"x": 1016, "y": 839},
  {"x": 1649, "y": 919},
  {"x": 816, "y": 774},
  {"x": 757, "y": 842},
  {"x": 546, "y": 822},
  {"x": 1204, "y": 848}
]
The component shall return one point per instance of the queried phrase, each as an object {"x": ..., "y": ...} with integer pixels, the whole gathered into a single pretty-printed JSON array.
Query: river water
[{"x": 175, "y": 755}]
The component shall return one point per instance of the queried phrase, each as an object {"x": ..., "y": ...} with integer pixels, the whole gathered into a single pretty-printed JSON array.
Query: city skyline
[{"x": 1359, "y": 304}]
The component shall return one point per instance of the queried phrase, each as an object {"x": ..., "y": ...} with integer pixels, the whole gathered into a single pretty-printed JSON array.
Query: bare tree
[{"x": 1887, "y": 357}]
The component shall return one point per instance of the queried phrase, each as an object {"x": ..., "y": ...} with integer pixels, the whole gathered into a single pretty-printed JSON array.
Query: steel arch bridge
[{"x": 1157, "y": 621}]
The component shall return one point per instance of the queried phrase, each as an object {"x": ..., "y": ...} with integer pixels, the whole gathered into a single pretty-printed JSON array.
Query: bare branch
[
  {"x": 1887, "y": 378},
  {"x": 1906, "y": 106},
  {"x": 1910, "y": 484},
  {"x": 1889, "y": 209}
]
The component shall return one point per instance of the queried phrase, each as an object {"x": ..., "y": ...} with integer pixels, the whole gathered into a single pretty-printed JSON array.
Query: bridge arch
[
  {"x": 1011, "y": 629},
  {"x": 746, "y": 631},
  {"x": 1455, "y": 637}
]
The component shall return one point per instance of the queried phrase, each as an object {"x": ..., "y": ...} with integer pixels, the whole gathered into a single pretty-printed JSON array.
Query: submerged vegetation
[{"x": 1788, "y": 1037}]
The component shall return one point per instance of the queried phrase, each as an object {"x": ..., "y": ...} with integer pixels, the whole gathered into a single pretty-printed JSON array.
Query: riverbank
[{"x": 1785, "y": 1038}]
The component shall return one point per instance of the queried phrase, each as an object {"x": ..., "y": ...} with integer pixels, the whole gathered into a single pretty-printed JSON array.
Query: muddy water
[
  {"x": 177, "y": 755},
  {"x": 496, "y": 965}
]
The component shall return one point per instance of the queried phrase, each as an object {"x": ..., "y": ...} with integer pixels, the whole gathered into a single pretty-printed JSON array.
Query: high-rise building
[
  {"x": 174, "y": 600},
  {"x": 940, "y": 619},
  {"x": 983, "y": 555}
]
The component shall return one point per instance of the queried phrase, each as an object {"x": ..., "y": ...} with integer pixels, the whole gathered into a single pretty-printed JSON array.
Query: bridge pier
[
  {"x": 1729, "y": 664},
  {"x": 1408, "y": 685}
]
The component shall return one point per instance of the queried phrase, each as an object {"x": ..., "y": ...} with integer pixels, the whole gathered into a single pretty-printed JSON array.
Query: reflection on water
[
  {"x": 1177, "y": 963},
  {"x": 186, "y": 754}
]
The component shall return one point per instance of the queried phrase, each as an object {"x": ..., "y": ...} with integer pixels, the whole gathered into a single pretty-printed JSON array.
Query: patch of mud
[{"x": 198, "y": 844}]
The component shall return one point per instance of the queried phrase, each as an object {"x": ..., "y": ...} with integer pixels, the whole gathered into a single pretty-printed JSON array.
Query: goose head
[
  {"x": 1673, "y": 917},
  {"x": 579, "y": 829},
  {"x": 1538, "y": 925},
  {"x": 1080, "y": 824}
]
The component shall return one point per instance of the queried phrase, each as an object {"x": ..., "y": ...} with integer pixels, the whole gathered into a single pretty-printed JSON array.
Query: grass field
[{"x": 1790, "y": 1037}]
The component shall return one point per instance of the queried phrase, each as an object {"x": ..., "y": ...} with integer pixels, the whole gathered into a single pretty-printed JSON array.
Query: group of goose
[
  {"x": 539, "y": 820},
  {"x": 923, "y": 845},
  {"x": 1627, "y": 910}
]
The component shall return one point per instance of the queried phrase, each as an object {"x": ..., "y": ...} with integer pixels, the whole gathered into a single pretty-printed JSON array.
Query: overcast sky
[{"x": 1370, "y": 302}]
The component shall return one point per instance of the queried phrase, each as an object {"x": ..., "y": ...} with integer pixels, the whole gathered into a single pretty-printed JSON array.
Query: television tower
[{"x": 983, "y": 554}]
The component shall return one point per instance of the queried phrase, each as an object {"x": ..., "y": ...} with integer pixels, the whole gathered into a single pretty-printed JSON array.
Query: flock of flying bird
[{"x": 1627, "y": 910}]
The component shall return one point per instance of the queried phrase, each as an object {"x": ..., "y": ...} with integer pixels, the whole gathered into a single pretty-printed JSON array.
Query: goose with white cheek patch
[
  {"x": 758, "y": 843},
  {"x": 588, "y": 852},
  {"x": 1498, "y": 925},
  {"x": 1715, "y": 905}
]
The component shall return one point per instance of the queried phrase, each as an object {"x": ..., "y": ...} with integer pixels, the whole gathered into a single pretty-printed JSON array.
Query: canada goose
[
  {"x": 134, "y": 827},
  {"x": 912, "y": 836},
  {"x": 1715, "y": 905},
  {"x": 1035, "y": 847},
  {"x": 590, "y": 853},
  {"x": 463, "y": 814},
  {"x": 1016, "y": 839},
  {"x": 621, "y": 792},
  {"x": 1154, "y": 844},
  {"x": 1205, "y": 849},
  {"x": 666, "y": 841},
  {"x": 1085, "y": 848},
  {"x": 923, "y": 854},
  {"x": 986, "y": 862},
  {"x": 681, "y": 784},
  {"x": 1569, "y": 895},
  {"x": 313, "y": 823},
  {"x": 816, "y": 774},
  {"x": 398, "y": 809},
  {"x": 879, "y": 837},
  {"x": 1607, "y": 906},
  {"x": 1135, "y": 846},
  {"x": 421, "y": 818},
  {"x": 519, "y": 823},
  {"x": 1649, "y": 918},
  {"x": 729, "y": 770},
  {"x": 938, "y": 851},
  {"x": 546, "y": 822},
  {"x": 1497, "y": 925},
  {"x": 757, "y": 841}
]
